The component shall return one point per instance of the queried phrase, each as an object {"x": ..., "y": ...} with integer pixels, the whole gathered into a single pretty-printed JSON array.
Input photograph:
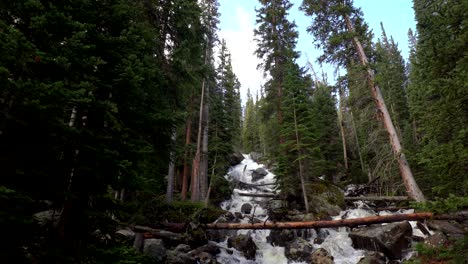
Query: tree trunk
[
  {"x": 264, "y": 195},
  {"x": 204, "y": 154},
  {"x": 377, "y": 198},
  {"x": 343, "y": 137},
  {"x": 323, "y": 224},
  {"x": 195, "y": 182},
  {"x": 171, "y": 170},
  {"x": 301, "y": 174},
  {"x": 412, "y": 187},
  {"x": 188, "y": 133}
]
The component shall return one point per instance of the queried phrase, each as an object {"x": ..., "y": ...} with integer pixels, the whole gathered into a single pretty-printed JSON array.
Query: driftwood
[
  {"x": 378, "y": 198},
  {"x": 263, "y": 195},
  {"x": 394, "y": 208},
  {"x": 160, "y": 233},
  {"x": 323, "y": 224}
]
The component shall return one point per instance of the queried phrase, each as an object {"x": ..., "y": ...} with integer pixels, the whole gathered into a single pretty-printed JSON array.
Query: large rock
[
  {"x": 373, "y": 258},
  {"x": 451, "y": 228},
  {"x": 244, "y": 244},
  {"x": 390, "y": 239},
  {"x": 280, "y": 237},
  {"x": 321, "y": 256},
  {"x": 177, "y": 257},
  {"x": 246, "y": 208},
  {"x": 155, "y": 249},
  {"x": 438, "y": 239},
  {"x": 220, "y": 235},
  {"x": 125, "y": 234},
  {"x": 256, "y": 156},
  {"x": 259, "y": 174},
  {"x": 298, "y": 250},
  {"x": 235, "y": 158},
  {"x": 325, "y": 200}
]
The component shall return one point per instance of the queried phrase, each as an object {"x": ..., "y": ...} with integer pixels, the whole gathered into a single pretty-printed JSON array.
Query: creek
[{"x": 335, "y": 240}]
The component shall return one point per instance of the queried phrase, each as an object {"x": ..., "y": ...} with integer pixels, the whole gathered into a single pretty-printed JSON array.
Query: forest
[{"x": 128, "y": 112}]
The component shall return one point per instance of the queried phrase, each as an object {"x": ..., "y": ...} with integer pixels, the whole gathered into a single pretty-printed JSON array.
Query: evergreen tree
[{"x": 438, "y": 95}]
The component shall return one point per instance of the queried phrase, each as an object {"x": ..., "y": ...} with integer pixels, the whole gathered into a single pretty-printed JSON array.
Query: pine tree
[
  {"x": 438, "y": 95},
  {"x": 276, "y": 39},
  {"x": 336, "y": 23}
]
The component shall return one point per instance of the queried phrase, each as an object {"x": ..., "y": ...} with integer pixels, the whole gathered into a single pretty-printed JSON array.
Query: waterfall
[{"x": 335, "y": 240}]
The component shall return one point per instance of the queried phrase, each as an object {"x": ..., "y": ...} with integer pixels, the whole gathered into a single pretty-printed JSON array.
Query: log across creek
[{"x": 181, "y": 227}]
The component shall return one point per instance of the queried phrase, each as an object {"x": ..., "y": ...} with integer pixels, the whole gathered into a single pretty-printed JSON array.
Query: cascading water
[{"x": 336, "y": 241}]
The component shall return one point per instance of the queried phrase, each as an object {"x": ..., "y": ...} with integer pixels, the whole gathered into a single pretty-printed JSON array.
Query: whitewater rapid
[{"x": 336, "y": 241}]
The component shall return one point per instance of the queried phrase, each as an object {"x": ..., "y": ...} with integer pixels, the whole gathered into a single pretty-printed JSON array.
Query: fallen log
[
  {"x": 377, "y": 198},
  {"x": 394, "y": 208},
  {"x": 323, "y": 224},
  {"x": 262, "y": 195}
]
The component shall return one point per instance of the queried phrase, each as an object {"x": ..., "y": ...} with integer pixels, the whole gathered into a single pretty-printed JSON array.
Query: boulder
[
  {"x": 256, "y": 156},
  {"x": 219, "y": 235},
  {"x": 182, "y": 248},
  {"x": 177, "y": 257},
  {"x": 155, "y": 249},
  {"x": 325, "y": 200},
  {"x": 126, "y": 234},
  {"x": 259, "y": 174},
  {"x": 246, "y": 208},
  {"x": 372, "y": 257},
  {"x": 205, "y": 258},
  {"x": 298, "y": 250},
  {"x": 280, "y": 237},
  {"x": 45, "y": 217},
  {"x": 321, "y": 256},
  {"x": 450, "y": 228},
  {"x": 390, "y": 239},
  {"x": 235, "y": 158},
  {"x": 244, "y": 244},
  {"x": 438, "y": 239}
]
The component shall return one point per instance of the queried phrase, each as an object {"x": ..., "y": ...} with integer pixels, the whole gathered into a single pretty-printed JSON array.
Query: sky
[{"x": 237, "y": 23}]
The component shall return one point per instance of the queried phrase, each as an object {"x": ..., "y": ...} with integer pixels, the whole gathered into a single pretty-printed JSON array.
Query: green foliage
[
  {"x": 437, "y": 94},
  {"x": 115, "y": 254},
  {"x": 456, "y": 252},
  {"x": 443, "y": 205}
]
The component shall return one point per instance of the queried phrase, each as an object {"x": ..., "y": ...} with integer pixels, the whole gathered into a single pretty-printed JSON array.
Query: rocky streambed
[{"x": 383, "y": 243}]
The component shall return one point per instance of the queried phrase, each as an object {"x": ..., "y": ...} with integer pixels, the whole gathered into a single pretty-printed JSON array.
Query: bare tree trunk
[
  {"x": 301, "y": 174},
  {"x": 412, "y": 187},
  {"x": 207, "y": 198},
  {"x": 188, "y": 132},
  {"x": 357, "y": 142},
  {"x": 343, "y": 137},
  {"x": 323, "y": 224},
  {"x": 195, "y": 184},
  {"x": 171, "y": 170},
  {"x": 204, "y": 153}
]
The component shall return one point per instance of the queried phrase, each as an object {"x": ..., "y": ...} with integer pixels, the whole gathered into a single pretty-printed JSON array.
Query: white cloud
[{"x": 241, "y": 44}]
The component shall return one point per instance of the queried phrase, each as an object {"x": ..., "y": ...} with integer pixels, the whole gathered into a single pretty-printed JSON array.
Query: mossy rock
[{"x": 325, "y": 199}]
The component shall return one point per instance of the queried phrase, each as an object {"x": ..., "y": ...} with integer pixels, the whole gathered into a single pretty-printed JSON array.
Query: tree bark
[
  {"x": 324, "y": 224},
  {"x": 412, "y": 187},
  {"x": 204, "y": 154},
  {"x": 377, "y": 198},
  {"x": 301, "y": 174},
  {"x": 171, "y": 170},
  {"x": 188, "y": 134},
  {"x": 264, "y": 195},
  {"x": 343, "y": 137}
]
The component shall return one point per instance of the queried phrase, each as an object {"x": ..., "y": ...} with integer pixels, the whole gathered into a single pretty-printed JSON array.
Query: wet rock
[
  {"x": 45, "y": 217},
  {"x": 390, "y": 239},
  {"x": 246, "y": 208},
  {"x": 298, "y": 250},
  {"x": 219, "y": 235},
  {"x": 205, "y": 258},
  {"x": 302, "y": 217},
  {"x": 256, "y": 156},
  {"x": 244, "y": 244},
  {"x": 438, "y": 239},
  {"x": 373, "y": 257},
  {"x": 326, "y": 200},
  {"x": 182, "y": 248},
  {"x": 321, "y": 256},
  {"x": 177, "y": 257},
  {"x": 280, "y": 237},
  {"x": 235, "y": 158},
  {"x": 259, "y": 174},
  {"x": 450, "y": 228},
  {"x": 125, "y": 234},
  {"x": 238, "y": 215},
  {"x": 155, "y": 249}
]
